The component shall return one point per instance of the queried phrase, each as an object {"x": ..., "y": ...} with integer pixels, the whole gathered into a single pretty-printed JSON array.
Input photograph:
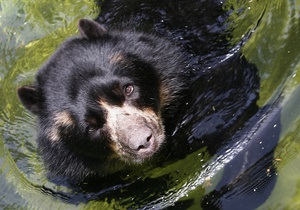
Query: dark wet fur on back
[
  {"x": 100, "y": 100},
  {"x": 112, "y": 96}
]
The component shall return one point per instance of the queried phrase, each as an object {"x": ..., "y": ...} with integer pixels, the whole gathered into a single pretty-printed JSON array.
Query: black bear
[{"x": 101, "y": 98}]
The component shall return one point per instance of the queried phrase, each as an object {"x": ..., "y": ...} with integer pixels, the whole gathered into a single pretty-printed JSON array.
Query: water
[{"x": 237, "y": 153}]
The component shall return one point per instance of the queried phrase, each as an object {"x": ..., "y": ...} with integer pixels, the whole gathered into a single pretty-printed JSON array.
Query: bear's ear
[
  {"x": 30, "y": 97},
  {"x": 91, "y": 29}
]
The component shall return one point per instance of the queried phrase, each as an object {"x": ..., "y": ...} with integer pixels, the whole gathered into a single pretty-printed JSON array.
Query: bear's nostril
[
  {"x": 140, "y": 139},
  {"x": 140, "y": 147},
  {"x": 149, "y": 137},
  {"x": 144, "y": 144}
]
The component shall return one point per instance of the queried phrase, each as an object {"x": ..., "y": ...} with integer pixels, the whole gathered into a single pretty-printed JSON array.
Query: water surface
[{"x": 258, "y": 164}]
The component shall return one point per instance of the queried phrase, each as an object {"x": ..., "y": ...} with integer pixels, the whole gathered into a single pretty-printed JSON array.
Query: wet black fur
[
  {"x": 82, "y": 71},
  {"x": 188, "y": 43}
]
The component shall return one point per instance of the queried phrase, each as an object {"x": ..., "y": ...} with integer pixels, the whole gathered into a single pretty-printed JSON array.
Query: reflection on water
[{"x": 232, "y": 157}]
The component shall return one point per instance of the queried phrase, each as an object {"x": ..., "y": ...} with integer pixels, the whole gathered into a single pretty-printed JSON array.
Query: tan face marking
[
  {"x": 53, "y": 134},
  {"x": 63, "y": 119},
  {"x": 120, "y": 120},
  {"x": 60, "y": 119},
  {"x": 116, "y": 58},
  {"x": 164, "y": 95}
]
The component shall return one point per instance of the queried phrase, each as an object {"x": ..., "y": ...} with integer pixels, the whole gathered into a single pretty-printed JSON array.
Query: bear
[{"x": 101, "y": 100}]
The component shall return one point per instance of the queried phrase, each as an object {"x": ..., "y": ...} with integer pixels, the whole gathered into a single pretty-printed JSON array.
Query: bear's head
[{"x": 101, "y": 97}]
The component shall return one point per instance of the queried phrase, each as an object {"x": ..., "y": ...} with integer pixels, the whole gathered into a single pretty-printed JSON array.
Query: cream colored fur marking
[
  {"x": 117, "y": 115},
  {"x": 117, "y": 58},
  {"x": 60, "y": 119},
  {"x": 63, "y": 118}
]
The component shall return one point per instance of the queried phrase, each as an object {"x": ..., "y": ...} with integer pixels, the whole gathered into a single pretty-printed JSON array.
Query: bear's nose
[{"x": 140, "y": 139}]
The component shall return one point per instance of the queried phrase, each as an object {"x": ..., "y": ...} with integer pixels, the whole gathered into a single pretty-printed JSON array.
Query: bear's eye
[
  {"x": 128, "y": 90},
  {"x": 91, "y": 129}
]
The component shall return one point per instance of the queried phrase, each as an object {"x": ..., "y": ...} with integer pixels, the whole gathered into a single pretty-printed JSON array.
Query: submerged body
[
  {"x": 100, "y": 100},
  {"x": 106, "y": 98}
]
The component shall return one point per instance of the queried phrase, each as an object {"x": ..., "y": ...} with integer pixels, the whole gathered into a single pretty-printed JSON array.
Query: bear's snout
[
  {"x": 140, "y": 139},
  {"x": 136, "y": 134}
]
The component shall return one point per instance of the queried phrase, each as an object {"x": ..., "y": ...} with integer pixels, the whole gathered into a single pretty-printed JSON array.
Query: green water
[{"x": 32, "y": 30}]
